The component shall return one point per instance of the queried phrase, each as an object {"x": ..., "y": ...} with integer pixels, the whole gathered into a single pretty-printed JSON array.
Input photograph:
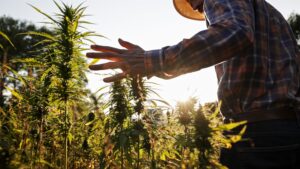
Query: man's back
[{"x": 266, "y": 75}]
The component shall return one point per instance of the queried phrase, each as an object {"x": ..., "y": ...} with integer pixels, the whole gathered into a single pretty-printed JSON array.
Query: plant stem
[
  {"x": 122, "y": 151},
  {"x": 40, "y": 140},
  {"x": 138, "y": 149},
  {"x": 66, "y": 136}
]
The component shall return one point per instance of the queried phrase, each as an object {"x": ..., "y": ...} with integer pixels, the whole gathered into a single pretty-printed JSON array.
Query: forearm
[
  {"x": 205, "y": 49},
  {"x": 230, "y": 33}
]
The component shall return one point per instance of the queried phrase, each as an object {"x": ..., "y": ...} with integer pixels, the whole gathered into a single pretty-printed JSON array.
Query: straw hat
[{"x": 185, "y": 9}]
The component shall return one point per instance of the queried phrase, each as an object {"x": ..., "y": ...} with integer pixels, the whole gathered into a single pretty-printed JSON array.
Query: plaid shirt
[{"x": 254, "y": 52}]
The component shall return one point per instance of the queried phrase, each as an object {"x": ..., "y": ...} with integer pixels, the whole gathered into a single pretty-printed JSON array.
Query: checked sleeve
[{"x": 230, "y": 32}]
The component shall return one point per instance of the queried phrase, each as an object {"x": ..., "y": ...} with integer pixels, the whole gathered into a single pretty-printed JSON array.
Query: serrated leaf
[
  {"x": 230, "y": 126},
  {"x": 29, "y": 61},
  {"x": 59, "y": 7},
  {"x": 42, "y": 42},
  {"x": 45, "y": 73},
  {"x": 89, "y": 123},
  {"x": 42, "y": 34},
  {"x": 86, "y": 22},
  {"x": 94, "y": 61},
  {"x": 19, "y": 77},
  {"x": 153, "y": 103},
  {"x": 7, "y": 38},
  {"x": 217, "y": 111},
  {"x": 70, "y": 137},
  {"x": 164, "y": 155},
  {"x": 42, "y": 161},
  {"x": 21, "y": 144},
  {"x": 102, "y": 88},
  {"x": 161, "y": 101},
  {"x": 14, "y": 93},
  {"x": 242, "y": 132},
  {"x": 43, "y": 13}
]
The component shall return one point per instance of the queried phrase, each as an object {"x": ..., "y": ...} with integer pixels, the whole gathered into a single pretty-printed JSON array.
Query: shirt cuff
[{"x": 153, "y": 62}]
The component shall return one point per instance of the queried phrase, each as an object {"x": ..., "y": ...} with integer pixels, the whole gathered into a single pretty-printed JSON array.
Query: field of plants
[{"x": 49, "y": 119}]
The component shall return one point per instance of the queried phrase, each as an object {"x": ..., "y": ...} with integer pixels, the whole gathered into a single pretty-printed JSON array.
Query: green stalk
[
  {"x": 66, "y": 135},
  {"x": 138, "y": 149},
  {"x": 122, "y": 152},
  {"x": 153, "y": 164},
  {"x": 137, "y": 91},
  {"x": 41, "y": 139}
]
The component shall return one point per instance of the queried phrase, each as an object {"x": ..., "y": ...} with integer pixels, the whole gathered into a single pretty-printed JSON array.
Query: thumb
[{"x": 128, "y": 45}]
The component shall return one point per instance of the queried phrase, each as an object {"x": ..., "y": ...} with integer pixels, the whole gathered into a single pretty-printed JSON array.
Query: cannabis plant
[
  {"x": 201, "y": 137},
  {"x": 65, "y": 67}
]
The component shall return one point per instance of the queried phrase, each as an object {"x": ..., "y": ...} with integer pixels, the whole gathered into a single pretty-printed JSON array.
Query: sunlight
[
  {"x": 201, "y": 85},
  {"x": 179, "y": 90}
]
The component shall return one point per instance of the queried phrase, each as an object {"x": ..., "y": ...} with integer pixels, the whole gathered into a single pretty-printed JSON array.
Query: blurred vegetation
[
  {"x": 17, "y": 47},
  {"x": 294, "y": 21}
]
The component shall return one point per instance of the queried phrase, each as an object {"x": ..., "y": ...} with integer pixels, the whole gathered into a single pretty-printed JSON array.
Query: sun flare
[{"x": 202, "y": 85}]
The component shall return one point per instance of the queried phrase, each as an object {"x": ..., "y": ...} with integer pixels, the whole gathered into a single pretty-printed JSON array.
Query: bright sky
[{"x": 152, "y": 24}]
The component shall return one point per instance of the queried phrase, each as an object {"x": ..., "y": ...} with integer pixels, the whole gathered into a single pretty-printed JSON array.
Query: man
[{"x": 257, "y": 64}]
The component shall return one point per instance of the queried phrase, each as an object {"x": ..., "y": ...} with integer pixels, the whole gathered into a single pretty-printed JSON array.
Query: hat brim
[{"x": 186, "y": 10}]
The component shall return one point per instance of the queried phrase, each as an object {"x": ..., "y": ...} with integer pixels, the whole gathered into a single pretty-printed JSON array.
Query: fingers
[
  {"x": 124, "y": 59},
  {"x": 109, "y": 56},
  {"x": 123, "y": 43},
  {"x": 128, "y": 45},
  {"x": 109, "y": 65},
  {"x": 112, "y": 65},
  {"x": 115, "y": 77},
  {"x": 107, "y": 49}
]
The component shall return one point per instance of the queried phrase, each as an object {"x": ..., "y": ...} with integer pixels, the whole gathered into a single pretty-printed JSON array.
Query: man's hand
[{"x": 129, "y": 60}]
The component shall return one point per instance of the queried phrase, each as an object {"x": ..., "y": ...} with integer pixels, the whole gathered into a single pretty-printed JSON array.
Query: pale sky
[{"x": 152, "y": 24}]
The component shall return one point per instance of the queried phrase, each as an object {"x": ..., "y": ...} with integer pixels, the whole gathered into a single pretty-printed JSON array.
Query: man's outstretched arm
[{"x": 230, "y": 33}]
